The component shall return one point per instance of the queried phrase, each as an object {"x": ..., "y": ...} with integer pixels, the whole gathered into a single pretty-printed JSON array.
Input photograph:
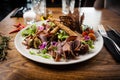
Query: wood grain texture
[{"x": 100, "y": 67}]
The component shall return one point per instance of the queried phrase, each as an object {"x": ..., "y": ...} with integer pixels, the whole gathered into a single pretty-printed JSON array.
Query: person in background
[{"x": 99, "y": 4}]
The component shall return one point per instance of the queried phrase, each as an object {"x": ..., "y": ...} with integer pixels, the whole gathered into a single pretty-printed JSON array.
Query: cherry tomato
[
  {"x": 92, "y": 36},
  {"x": 84, "y": 33}
]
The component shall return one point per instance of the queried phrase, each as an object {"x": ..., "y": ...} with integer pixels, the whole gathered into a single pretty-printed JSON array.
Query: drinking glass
[
  {"x": 79, "y": 7},
  {"x": 68, "y": 6},
  {"x": 72, "y": 5},
  {"x": 65, "y": 6},
  {"x": 39, "y": 6},
  {"x": 35, "y": 5},
  {"x": 29, "y": 16}
]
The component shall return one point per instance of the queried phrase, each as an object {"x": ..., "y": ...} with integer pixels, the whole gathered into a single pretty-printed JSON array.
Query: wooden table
[{"x": 100, "y": 67}]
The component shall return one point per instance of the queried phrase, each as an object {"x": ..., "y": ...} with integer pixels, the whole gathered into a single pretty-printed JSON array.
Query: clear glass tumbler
[
  {"x": 35, "y": 5},
  {"x": 72, "y": 6},
  {"x": 42, "y": 7},
  {"x": 68, "y": 6},
  {"x": 65, "y": 6},
  {"x": 39, "y": 6},
  {"x": 29, "y": 16}
]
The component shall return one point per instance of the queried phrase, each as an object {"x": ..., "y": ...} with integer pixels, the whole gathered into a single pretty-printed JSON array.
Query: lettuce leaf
[{"x": 29, "y": 31}]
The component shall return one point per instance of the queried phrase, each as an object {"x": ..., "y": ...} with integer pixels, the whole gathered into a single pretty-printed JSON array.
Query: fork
[{"x": 102, "y": 31}]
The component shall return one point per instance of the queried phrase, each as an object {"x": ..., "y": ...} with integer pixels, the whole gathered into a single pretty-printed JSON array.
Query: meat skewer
[
  {"x": 63, "y": 27},
  {"x": 55, "y": 30}
]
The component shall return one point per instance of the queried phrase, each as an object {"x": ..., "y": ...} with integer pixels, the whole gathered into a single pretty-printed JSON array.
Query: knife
[
  {"x": 117, "y": 34},
  {"x": 110, "y": 44},
  {"x": 112, "y": 49}
]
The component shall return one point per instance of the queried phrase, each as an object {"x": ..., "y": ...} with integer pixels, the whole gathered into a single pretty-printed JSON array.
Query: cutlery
[
  {"x": 104, "y": 33},
  {"x": 113, "y": 34},
  {"x": 110, "y": 44},
  {"x": 114, "y": 31}
]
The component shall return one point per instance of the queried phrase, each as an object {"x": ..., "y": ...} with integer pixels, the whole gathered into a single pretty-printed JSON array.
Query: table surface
[{"x": 102, "y": 66}]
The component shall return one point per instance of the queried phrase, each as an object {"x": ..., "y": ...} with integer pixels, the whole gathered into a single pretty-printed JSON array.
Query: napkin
[
  {"x": 114, "y": 37},
  {"x": 19, "y": 12},
  {"x": 109, "y": 45}
]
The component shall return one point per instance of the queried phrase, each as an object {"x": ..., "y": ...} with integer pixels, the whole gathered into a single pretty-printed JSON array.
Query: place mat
[{"x": 109, "y": 45}]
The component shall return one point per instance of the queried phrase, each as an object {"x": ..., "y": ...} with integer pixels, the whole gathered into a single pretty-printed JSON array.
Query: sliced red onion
[
  {"x": 41, "y": 28},
  {"x": 87, "y": 38},
  {"x": 54, "y": 43},
  {"x": 43, "y": 45}
]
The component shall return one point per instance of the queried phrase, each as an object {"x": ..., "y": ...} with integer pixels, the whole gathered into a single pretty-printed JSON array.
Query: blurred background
[{"x": 6, "y": 6}]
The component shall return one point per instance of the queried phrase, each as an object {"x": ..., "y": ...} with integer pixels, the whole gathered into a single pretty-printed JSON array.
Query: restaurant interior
[
  {"x": 6, "y": 6},
  {"x": 59, "y": 39}
]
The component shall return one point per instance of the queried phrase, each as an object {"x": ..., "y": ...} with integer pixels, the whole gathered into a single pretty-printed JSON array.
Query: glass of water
[
  {"x": 29, "y": 16},
  {"x": 39, "y": 6},
  {"x": 72, "y": 5},
  {"x": 65, "y": 6},
  {"x": 68, "y": 6},
  {"x": 35, "y": 5}
]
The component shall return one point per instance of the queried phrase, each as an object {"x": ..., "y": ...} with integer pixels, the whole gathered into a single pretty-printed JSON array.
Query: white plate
[{"x": 25, "y": 52}]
